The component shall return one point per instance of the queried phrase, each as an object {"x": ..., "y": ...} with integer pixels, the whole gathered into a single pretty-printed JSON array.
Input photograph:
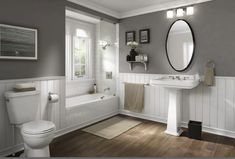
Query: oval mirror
[{"x": 180, "y": 45}]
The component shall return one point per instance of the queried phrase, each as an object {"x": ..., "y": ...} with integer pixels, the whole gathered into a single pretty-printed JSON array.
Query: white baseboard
[
  {"x": 20, "y": 147},
  {"x": 143, "y": 116},
  {"x": 215, "y": 131},
  {"x": 67, "y": 130},
  {"x": 184, "y": 124},
  {"x": 11, "y": 150},
  {"x": 79, "y": 126}
]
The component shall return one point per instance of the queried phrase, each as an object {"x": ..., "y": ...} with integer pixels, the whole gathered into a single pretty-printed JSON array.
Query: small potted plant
[{"x": 133, "y": 45}]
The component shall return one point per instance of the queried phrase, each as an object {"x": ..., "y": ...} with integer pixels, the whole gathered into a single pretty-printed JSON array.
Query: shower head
[{"x": 104, "y": 44}]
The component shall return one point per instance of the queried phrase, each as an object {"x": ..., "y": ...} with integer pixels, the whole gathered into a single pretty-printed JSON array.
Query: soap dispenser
[{"x": 95, "y": 88}]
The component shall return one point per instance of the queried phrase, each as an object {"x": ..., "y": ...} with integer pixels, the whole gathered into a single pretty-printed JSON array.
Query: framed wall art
[
  {"x": 130, "y": 36},
  {"x": 18, "y": 43},
  {"x": 144, "y": 36}
]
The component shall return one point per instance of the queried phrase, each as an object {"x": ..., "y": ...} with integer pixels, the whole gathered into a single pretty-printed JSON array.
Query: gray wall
[
  {"x": 214, "y": 28},
  {"x": 48, "y": 16}
]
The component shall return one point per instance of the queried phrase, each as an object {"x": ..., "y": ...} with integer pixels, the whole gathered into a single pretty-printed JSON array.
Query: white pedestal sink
[{"x": 175, "y": 85}]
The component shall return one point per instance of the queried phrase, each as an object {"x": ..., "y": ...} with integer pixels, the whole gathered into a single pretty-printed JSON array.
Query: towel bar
[
  {"x": 210, "y": 64},
  {"x": 145, "y": 84}
]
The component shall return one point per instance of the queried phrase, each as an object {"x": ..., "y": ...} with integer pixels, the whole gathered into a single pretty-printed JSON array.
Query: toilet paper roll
[{"x": 53, "y": 98}]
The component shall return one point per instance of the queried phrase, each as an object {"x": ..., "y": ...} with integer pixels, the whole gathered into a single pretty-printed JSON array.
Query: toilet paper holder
[{"x": 53, "y": 97}]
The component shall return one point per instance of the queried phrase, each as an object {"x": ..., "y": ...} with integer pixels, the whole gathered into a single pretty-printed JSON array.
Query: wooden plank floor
[{"x": 146, "y": 140}]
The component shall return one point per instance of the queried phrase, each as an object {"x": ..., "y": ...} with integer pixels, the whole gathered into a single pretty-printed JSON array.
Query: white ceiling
[
  {"x": 82, "y": 17},
  {"x": 127, "y": 5},
  {"x": 128, "y": 8}
]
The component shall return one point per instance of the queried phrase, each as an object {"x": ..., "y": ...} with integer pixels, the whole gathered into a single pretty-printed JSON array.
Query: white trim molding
[
  {"x": 212, "y": 130},
  {"x": 83, "y": 125},
  {"x": 11, "y": 150},
  {"x": 161, "y": 7},
  {"x": 153, "y": 118},
  {"x": 99, "y": 8},
  {"x": 144, "y": 10},
  {"x": 33, "y": 79}
]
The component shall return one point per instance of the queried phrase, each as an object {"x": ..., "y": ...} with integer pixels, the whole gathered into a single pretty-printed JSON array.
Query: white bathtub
[
  {"x": 73, "y": 102},
  {"x": 88, "y": 109}
]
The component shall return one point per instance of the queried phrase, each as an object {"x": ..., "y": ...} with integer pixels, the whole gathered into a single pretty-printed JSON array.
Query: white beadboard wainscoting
[
  {"x": 214, "y": 106},
  {"x": 76, "y": 87},
  {"x": 87, "y": 112},
  {"x": 66, "y": 120},
  {"x": 52, "y": 112}
]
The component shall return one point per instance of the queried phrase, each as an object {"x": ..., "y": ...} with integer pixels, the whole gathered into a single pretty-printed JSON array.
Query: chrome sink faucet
[
  {"x": 177, "y": 77},
  {"x": 172, "y": 77}
]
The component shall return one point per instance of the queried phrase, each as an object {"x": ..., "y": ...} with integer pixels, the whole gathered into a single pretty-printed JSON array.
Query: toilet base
[{"x": 43, "y": 152}]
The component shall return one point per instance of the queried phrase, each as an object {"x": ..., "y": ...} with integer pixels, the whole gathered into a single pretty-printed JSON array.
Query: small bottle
[
  {"x": 95, "y": 89},
  {"x": 145, "y": 58}
]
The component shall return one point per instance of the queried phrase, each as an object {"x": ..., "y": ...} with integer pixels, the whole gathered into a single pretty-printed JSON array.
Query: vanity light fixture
[
  {"x": 170, "y": 14},
  {"x": 180, "y": 12},
  {"x": 190, "y": 10}
]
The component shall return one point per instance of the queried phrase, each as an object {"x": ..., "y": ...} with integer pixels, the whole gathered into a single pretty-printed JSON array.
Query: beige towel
[
  {"x": 25, "y": 89},
  {"x": 209, "y": 76},
  {"x": 134, "y": 97}
]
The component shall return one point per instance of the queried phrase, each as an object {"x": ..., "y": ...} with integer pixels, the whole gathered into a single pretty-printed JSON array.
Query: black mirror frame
[{"x": 193, "y": 47}]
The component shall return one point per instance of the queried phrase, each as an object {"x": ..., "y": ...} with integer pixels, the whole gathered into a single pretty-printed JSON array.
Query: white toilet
[{"x": 22, "y": 109}]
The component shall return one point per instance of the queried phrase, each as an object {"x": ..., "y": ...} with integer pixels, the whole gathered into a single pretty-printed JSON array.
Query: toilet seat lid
[{"x": 38, "y": 127}]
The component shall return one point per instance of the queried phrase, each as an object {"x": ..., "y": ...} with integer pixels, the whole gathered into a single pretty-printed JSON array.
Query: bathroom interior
[{"x": 117, "y": 78}]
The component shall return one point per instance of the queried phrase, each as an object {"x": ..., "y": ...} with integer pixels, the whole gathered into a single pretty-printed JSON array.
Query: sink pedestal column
[{"x": 174, "y": 113}]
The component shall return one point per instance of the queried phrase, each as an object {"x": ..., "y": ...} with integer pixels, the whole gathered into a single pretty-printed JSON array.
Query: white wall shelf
[{"x": 145, "y": 63}]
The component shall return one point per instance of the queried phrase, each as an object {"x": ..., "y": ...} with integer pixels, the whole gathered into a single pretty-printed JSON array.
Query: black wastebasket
[{"x": 195, "y": 130}]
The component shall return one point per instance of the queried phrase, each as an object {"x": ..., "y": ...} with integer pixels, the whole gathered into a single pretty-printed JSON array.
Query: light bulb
[
  {"x": 190, "y": 11},
  {"x": 170, "y": 14},
  {"x": 180, "y": 12}
]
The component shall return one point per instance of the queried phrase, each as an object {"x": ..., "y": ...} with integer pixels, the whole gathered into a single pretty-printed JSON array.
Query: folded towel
[
  {"x": 24, "y": 85},
  {"x": 134, "y": 97},
  {"x": 25, "y": 89},
  {"x": 209, "y": 79}
]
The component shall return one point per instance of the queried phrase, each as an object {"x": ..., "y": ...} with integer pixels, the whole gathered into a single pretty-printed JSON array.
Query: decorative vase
[
  {"x": 133, "y": 54},
  {"x": 128, "y": 58}
]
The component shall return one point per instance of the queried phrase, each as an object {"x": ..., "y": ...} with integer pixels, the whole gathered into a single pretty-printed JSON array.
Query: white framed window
[
  {"x": 81, "y": 51},
  {"x": 80, "y": 39}
]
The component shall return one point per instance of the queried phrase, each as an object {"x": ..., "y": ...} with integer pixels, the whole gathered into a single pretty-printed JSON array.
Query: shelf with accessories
[
  {"x": 134, "y": 57},
  {"x": 145, "y": 63}
]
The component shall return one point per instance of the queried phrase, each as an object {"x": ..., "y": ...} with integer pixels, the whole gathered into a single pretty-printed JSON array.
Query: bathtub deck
[{"x": 146, "y": 140}]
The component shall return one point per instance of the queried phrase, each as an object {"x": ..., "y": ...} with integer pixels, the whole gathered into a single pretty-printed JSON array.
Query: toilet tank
[{"x": 22, "y": 107}]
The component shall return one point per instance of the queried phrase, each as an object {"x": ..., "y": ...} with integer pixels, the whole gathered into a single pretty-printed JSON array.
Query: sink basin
[
  {"x": 178, "y": 82},
  {"x": 175, "y": 85}
]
